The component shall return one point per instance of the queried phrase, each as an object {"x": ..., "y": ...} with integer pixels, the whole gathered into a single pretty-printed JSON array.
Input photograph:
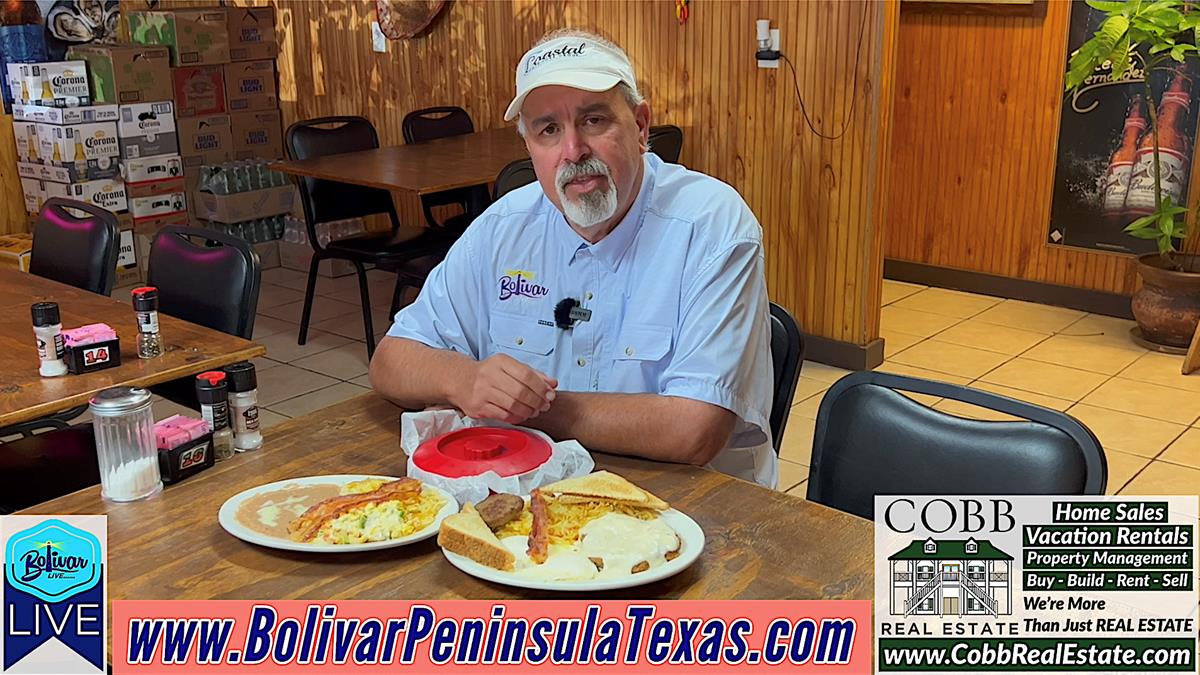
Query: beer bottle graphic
[
  {"x": 1173, "y": 152},
  {"x": 80, "y": 153},
  {"x": 1120, "y": 166}
]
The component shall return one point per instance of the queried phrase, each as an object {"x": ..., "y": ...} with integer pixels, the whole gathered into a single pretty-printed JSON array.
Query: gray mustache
[{"x": 591, "y": 166}]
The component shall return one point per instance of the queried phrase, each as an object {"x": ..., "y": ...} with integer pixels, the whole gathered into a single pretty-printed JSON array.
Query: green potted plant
[{"x": 1157, "y": 36}]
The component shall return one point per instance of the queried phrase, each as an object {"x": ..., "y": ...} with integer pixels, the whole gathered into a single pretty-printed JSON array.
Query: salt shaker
[
  {"x": 243, "y": 406},
  {"x": 145, "y": 302},
  {"x": 213, "y": 393},
  {"x": 47, "y": 327},
  {"x": 123, "y": 425}
]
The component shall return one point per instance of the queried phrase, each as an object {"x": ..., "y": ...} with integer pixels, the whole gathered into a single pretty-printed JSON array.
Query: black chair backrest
[
  {"x": 439, "y": 122},
  {"x": 77, "y": 250},
  {"x": 429, "y": 124},
  {"x": 514, "y": 175},
  {"x": 212, "y": 286},
  {"x": 870, "y": 439},
  {"x": 666, "y": 141},
  {"x": 325, "y": 200},
  {"x": 787, "y": 355}
]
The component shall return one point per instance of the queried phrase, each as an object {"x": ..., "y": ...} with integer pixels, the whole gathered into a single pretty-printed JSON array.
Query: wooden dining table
[
  {"x": 760, "y": 543},
  {"x": 25, "y": 395},
  {"x": 419, "y": 168}
]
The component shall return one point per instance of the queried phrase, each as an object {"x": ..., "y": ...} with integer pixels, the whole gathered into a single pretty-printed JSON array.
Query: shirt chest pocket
[
  {"x": 640, "y": 356},
  {"x": 524, "y": 339}
]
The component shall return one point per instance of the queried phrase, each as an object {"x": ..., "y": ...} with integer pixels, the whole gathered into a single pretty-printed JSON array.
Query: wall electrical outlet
[{"x": 378, "y": 40}]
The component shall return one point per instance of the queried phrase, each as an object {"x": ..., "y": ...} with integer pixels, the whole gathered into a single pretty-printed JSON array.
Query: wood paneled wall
[
  {"x": 819, "y": 201},
  {"x": 12, "y": 202},
  {"x": 975, "y": 133}
]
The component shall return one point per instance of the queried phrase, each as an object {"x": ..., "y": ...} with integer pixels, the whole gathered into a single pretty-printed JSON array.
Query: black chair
[
  {"x": 870, "y": 439},
  {"x": 514, "y": 175},
  {"x": 787, "y": 356},
  {"x": 429, "y": 124},
  {"x": 77, "y": 250},
  {"x": 325, "y": 201},
  {"x": 206, "y": 277},
  {"x": 41, "y": 467},
  {"x": 666, "y": 141}
]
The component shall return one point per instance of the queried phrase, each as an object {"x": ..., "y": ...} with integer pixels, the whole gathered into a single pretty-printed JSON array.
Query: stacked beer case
[{"x": 225, "y": 92}]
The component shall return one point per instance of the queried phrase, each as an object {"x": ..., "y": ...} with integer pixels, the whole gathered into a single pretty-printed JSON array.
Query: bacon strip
[
  {"x": 539, "y": 532},
  {"x": 306, "y": 527}
]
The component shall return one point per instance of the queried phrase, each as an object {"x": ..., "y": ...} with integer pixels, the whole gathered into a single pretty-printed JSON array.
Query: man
[{"x": 619, "y": 300}]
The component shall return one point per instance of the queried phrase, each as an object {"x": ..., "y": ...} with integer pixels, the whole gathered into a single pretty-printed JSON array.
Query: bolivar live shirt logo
[{"x": 53, "y": 594}]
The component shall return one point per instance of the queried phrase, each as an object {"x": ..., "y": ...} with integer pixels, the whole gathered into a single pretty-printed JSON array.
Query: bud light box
[
  {"x": 250, "y": 85},
  {"x": 207, "y": 139},
  {"x": 87, "y": 114},
  {"x": 252, "y": 33},
  {"x": 147, "y": 129},
  {"x": 257, "y": 134},
  {"x": 87, "y": 151},
  {"x": 62, "y": 84}
]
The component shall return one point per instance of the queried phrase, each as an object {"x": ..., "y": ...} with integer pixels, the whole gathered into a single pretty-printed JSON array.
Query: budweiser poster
[{"x": 1104, "y": 178}]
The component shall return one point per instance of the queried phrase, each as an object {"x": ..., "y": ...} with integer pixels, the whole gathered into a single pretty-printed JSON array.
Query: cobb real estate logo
[
  {"x": 53, "y": 594},
  {"x": 1036, "y": 584}
]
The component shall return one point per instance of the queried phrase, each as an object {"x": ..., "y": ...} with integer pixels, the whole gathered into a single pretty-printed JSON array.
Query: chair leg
[
  {"x": 368, "y": 326},
  {"x": 309, "y": 291},
  {"x": 397, "y": 294}
]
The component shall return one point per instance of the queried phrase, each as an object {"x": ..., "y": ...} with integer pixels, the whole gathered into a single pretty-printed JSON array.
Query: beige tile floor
[{"x": 1145, "y": 413}]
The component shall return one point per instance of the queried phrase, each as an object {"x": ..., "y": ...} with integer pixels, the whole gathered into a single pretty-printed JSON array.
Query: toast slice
[
  {"x": 606, "y": 486},
  {"x": 466, "y": 534}
]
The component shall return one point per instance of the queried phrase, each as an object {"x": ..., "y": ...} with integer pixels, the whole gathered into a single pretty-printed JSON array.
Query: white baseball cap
[{"x": 572, "y": 61}]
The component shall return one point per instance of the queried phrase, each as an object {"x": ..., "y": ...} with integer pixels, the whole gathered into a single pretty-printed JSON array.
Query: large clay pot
[{"x": 1167, "y": 307}]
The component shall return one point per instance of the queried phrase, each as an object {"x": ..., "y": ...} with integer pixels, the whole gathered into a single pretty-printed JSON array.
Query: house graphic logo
[{"x": 950, "y": 577}]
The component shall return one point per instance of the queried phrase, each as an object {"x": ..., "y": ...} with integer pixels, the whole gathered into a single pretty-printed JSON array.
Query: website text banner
[
  {"x": 1036, "y": 584},
  {"x": 469, "y": 636}
]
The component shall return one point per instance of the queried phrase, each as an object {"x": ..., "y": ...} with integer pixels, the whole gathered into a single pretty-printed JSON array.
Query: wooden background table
[
  {"x": 419, "y": 168},
  {"x": 761, "y": 544},
  {"x": 26, "y": 395}
]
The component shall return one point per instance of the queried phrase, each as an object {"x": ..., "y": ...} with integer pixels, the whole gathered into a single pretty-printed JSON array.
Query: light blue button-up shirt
[{"x": 676, "y": 291}]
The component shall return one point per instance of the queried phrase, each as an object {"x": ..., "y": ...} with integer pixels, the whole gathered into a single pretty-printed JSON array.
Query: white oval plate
[
  {"x": 228, "y": 518},
  {"x": 691, "y": 538}
]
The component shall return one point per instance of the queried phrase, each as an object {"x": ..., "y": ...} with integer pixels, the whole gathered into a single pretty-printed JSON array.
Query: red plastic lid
[{"x": 470, "y": 452}]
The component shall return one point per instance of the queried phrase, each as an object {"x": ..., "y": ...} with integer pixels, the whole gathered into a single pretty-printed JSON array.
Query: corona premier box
[
  {"x": 87, "y": 151},
  {"x": 85, "y": 114},
  {"x": 63, "y": 84}
]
